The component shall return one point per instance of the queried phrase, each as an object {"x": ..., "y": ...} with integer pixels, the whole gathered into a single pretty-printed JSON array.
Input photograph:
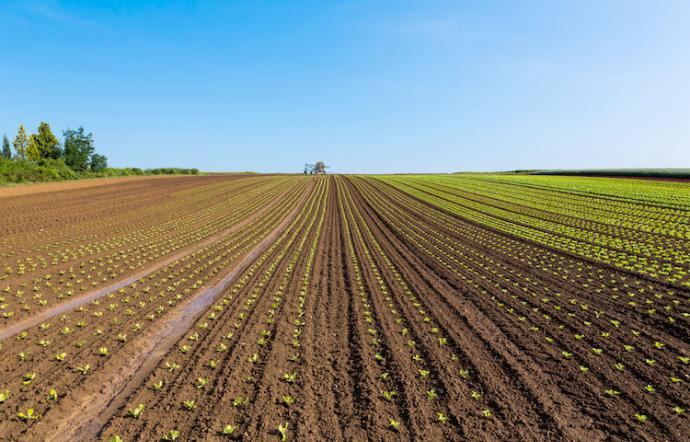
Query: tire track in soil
[
  {"x": 110, "y": 388},
  {"x": 66, "y": 377},
  {"x": 211, "y": 401},
  {"x": 82, "y": 299}
]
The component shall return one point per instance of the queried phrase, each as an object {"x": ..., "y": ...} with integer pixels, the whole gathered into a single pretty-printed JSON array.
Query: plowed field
[{"x": 425, "y": 308}]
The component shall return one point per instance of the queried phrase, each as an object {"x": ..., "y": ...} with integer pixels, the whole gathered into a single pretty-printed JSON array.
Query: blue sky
[{"x": 367, "y": 86}]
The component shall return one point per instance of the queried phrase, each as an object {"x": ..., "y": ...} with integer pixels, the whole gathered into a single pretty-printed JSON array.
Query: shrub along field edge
[{"x": 15, "y": 172}]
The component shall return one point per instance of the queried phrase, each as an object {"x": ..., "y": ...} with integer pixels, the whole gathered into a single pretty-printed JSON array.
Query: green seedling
[
  {"x": 28, "y": 378},
  {"x": 171, "y": 366},
  {"x": 389, "y": 395},
  {"x": 282, "y": 430},
  {"x": 228, "y": 430},
  {"x": 136, "y": 411},
  {"x": 171, "y": 435},
  {"x": 52, "y": 395},
  {"x": 29, "y": 415},
  {"x": 240, "y": 401}
]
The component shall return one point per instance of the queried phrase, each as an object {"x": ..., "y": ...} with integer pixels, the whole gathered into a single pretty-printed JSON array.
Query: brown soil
[
  {"x": 31, "y": 188},
  {"x": 344, "y": 309}
]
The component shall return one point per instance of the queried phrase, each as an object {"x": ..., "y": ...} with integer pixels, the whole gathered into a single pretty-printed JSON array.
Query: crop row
[
  {"x": 631, "y": 359},
  {"x": 37, "y": 284},
  {"x": 61, "y": 353},
  {"x": 642, "y": 248},
  {"x": 214, "y": 386}
]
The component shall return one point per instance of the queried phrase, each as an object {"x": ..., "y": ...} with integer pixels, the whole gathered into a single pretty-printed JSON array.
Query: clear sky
[{"x": 366, "y": 86}]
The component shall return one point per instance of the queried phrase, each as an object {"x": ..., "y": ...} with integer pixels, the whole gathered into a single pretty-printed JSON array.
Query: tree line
[
  {"x": 42, "y": 157},
  {"x": 77, "y": 149}
]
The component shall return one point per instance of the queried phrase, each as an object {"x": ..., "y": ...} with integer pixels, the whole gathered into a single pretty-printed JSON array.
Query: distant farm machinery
[{"x": 319, "y": 168}]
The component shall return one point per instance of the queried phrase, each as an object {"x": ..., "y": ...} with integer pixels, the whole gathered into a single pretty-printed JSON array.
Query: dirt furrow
[
  {"x": 89, "y": 413},
  {"x": 84, "y": 298}
]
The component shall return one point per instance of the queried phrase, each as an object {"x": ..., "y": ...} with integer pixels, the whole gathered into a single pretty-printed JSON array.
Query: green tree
[
  {"x": 98, "y": 162},
  {"x": 33, "y": 152},
  {"x": 6, "y": 151},
  {"x": 21, "y": 143},
  {"x": 46, "y": 143},
  {"x": 78, "y": 149}
]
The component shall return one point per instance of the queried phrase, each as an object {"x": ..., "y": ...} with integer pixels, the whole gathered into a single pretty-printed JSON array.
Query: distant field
[
  {"x": 641, "y": 173},
  {"x": 397, "y": 307}
]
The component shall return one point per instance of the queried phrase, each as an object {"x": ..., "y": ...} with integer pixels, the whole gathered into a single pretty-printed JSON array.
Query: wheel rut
[{"x": 105, "y": 393}]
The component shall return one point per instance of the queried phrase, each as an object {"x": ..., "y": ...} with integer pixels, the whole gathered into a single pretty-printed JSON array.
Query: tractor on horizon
[{"x": 318, "y": 168}]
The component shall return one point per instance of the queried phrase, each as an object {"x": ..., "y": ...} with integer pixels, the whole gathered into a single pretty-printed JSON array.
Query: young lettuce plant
[
  {"x": 136, "y": 411},
  {"x": 52, "y": 395},
  {"x": 282, "y": 430},
  {"x": 28, "y": 378},
  {"x": 29, "y": 415},
  {"x": 240, "y": 401},
  {"x": 290, "y": 377},
  {"x": 228, "y": 430},
  {"x": 171, "y": 435}
]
